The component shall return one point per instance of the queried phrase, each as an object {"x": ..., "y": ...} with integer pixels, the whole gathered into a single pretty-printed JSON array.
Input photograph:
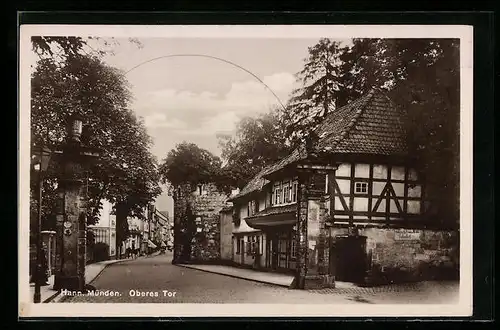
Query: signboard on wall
[
  {"x": 313, "y": 218},
  {"x": 407, "y": 235}
]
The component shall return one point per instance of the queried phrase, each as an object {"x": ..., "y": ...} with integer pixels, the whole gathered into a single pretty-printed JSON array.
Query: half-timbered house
[{"x": 350, "y": 204}]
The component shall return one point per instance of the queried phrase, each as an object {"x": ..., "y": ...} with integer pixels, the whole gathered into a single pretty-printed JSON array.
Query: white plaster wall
[
  {"x": 343, "y": 170},
  {"x": 243, "y": 227}
]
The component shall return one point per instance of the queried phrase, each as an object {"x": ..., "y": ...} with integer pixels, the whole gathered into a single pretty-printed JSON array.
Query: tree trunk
[{"x": 121, "y": 227}]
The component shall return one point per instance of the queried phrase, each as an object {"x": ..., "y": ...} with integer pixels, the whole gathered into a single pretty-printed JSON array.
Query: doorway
[
  {"x": 348, "y": 258},
  {"x": 272, "y": 251}
]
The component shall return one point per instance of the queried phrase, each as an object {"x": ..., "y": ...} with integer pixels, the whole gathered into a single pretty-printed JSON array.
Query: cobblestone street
[
  {"x": 133, "y": 280},
  {"x": 156, "y": 280}
]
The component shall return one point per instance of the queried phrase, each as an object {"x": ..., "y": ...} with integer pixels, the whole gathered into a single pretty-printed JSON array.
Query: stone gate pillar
[
  {"x": 71, "y": 214},
  {"x": 302, "y": 240},
  {"x": 71, "y": 225},
  {"x": 312, "y": 255}
]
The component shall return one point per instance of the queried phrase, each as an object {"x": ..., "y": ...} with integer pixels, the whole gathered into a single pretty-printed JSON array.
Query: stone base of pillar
[
  {"x": 311, "y": 282},
  {"x": 71, "y": 283},
  {"x": 368, "y": 279},
  {"x": 319, "y": 282}
]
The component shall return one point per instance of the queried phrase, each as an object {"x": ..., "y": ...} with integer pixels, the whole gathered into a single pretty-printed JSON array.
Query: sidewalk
[
  {"x": 400, "y": 293},
  {"x": 246, "y": 274},
  {"x": 91, "y": 272}
]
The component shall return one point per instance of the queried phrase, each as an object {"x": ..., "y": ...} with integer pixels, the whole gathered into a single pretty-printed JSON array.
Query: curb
[
  {"x": 234, "y": 276},
  {"x": 56, "y": 297}
]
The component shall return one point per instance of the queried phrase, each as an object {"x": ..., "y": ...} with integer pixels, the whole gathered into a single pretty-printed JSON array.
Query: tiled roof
[
  {"x": 368, "y": 125},
  {"x": 275, "y": 210},
  {"x": 256, "y": 184}
]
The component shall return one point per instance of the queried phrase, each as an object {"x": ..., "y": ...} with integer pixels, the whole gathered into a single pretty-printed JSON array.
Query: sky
[{"x": 193, "y": 98}]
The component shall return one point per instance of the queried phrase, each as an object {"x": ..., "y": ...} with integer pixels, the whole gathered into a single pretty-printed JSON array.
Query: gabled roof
[
  {"x": 255, "y": 184},
  {"x": 368, "y": 125}
]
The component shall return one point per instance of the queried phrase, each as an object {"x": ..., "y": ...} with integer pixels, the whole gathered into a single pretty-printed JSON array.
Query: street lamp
[
  {"x": 75, "y": 127},
  {"x": 40, "y": 162}
]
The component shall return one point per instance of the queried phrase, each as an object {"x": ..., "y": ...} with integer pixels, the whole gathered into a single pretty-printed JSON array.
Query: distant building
[
  {"x": 164, "y": 232},
  {"x": 104, "y": 231},
  {"x": 135, "y": 240}
]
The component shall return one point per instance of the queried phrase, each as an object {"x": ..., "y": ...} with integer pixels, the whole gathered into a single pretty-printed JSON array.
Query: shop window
[
  {"x": 361, "y": 187},
  {"x": 253, "y": 245},
  {"x": 294, "y": 247}
]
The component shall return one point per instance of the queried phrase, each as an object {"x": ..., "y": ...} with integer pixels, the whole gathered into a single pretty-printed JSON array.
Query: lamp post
[
  {"x": 72, "y": 211},
  {"x": 40, "y": 162}
]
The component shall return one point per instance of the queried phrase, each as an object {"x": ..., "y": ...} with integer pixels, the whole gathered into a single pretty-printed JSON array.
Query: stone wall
[
  {"x": 181, "y": 197},
  {"x": 404, "y": 255},
  {"x": 204, "y": 222}
]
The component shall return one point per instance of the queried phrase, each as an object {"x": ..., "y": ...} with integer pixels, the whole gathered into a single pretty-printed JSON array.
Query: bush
[{"x": 101, "y": 252}]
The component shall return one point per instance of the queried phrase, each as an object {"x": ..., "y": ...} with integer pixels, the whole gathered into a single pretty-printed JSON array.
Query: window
[
  {"x": 284, "y": 192},
  {"x": 253, "y": 245},
  {"x": 277, "y": 194},
  {"x": 294, "y": 247},
  {"x": 295, "y": 186},
  {"x": 238, "y": 247},
  {"x": 361, "y": 187},
  {"x": 252, "y": 207}
]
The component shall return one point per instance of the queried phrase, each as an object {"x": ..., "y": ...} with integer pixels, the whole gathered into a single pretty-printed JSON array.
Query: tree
[
  {"x": 188, "y": 163},
  {"x": 62, "y": 48},
  {"x": 422, "y": 77},
  {"x": 258, "y": 142},
  {"x": 318, "y": 96},
  {"x": 430, "y": 89},
  {"x": 126, "y": 174}
]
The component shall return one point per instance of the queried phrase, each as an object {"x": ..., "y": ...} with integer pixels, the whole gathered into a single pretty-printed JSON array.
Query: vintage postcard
[{"x": 244, "y": 171}]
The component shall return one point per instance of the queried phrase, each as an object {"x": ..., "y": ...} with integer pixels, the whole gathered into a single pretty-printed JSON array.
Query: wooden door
[{"x": 348, "y": 258}]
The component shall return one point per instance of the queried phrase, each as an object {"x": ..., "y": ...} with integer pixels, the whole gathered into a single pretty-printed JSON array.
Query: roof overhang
[{"x": 272, "y": 220}]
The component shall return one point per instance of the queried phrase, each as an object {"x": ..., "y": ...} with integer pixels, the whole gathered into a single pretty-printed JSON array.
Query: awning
[
  {"x": 272, "y": 220},
  {"x": 151, "y": 244}
]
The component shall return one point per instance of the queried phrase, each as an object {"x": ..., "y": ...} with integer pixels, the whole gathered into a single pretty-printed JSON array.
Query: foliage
[
  {"x": 100, "y": 252},
  {"x": 320, "y": 79},
  {"x": 258, "y": 142},
  {"x": 419, "y": 75},
  {"x": 90, "y": 238},
  {"x": 126, "y": 173},
  {"x": 62, "y": 48},
  {"x": 188, "y": 163}
]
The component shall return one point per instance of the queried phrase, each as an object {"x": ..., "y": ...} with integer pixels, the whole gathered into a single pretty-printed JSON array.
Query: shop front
[
  {"x": 281, "y": 252},
  {"x": 278, "y": 226}
]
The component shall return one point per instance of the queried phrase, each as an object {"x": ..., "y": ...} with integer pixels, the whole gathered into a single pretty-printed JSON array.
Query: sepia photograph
[{"x": 245, "y": 171}]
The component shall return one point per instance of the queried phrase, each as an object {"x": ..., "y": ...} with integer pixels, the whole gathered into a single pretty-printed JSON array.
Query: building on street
[
  {"x": 164, "y": 228},
  {"x": 135, "y": 240},
  {"x": 356, "y": 196},
  {"x": 104, "y": 230}
]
